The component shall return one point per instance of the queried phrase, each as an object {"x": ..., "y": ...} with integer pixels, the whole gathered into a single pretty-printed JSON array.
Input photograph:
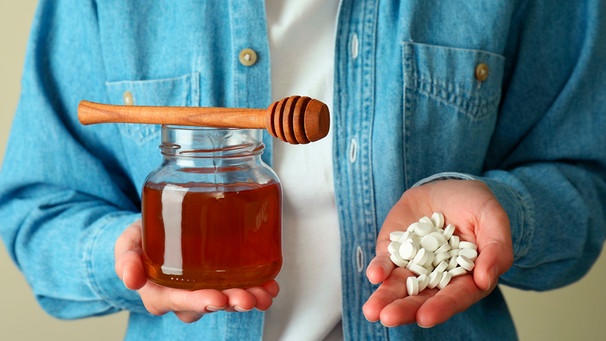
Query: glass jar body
[{"x": 212, "y": 212}]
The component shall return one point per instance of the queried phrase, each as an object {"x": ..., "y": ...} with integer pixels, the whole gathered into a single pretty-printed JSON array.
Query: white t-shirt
[{"x": 301, "y": 36}]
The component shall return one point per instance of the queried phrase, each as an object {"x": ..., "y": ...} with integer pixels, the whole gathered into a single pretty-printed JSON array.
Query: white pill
[
  {"x": 443, "y": 249},
  {"x": 446, "y": 277},
  {"x": 439, "y": 236},
  {"x": 395, "y": 236},
  {"x": 423, "y": 229},
  {"x": 405, "y": 236},
  {"x": 423, "y": 281},
  {"x": 467, "y": 245},
  {"x": 397, "y": 260},
  {"x": 441, "y": 267},
  {"x": 454, "y": 242},
  {"x": 452, "y": 263},
  {"x": 429, "y": 261},
  {"x": 438, "y": 219},
  {"x": 434, "y": 279},
  {"x": 469, "y": 253},
  {"x": 448, "y": 231},
  {"x": 407, "y": 250},
  {"x": 417, "y": 269},
  {"x": 458, "y": 271},
  {"x": 426, "y": 220},
  {"x": 465, "y": 262},
  {"x": 430, "y": 242},
  {"x": 393, "y": 247},
  {"x": 421, "y": 257},
  {"x": 412, "y": 286},
  {"x": 440, "y": 257},
  {"x": 430, "y": 250}
]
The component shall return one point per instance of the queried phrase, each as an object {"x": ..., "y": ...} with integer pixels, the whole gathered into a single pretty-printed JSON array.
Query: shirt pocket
[
  {"x": 451, "y": 99},
  {"x": 178, "y": 91}
]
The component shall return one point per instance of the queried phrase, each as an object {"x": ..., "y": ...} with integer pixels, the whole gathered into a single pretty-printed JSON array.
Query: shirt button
[
  {"x": 481, "y": 72},
  {"x": 127, "y": 97},
  {"x": 248, "y": 57}
]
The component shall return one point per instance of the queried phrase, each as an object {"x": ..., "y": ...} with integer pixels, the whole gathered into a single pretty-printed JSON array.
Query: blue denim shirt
[{"x": 411, "y": 104}]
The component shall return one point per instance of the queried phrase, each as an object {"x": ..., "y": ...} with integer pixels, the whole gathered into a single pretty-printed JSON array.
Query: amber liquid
[{"x": 207, "y": 236}]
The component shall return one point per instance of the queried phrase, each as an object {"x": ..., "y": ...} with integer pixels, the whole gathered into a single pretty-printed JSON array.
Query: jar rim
[
  {"x": 193, "y": 127},
  {"x": 233, "y": 151}
]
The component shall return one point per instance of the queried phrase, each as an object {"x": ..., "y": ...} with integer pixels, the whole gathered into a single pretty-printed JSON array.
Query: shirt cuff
[
  {"x": 444, "y": 176},
  {"x": 100, "y": 263}
]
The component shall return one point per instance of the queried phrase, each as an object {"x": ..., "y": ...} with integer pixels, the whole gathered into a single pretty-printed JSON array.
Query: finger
[
  {"x": 272, "y": 288},
  {"x": 127, "y": 255},
  {"x": 130, "y": 239},
  {"x": 120, "y": 264},
  {"x": 159, "y": 300},
  {"x": 379, "y": 268},
  {"x": 129, "y": 268},
  {"x": 263, "y": 299},
  {"x": 460, "y": 294},
  {"x": 392, "y": 289},
  {"x": 404, "y": 310},
  {"x": 493, "y": 261},
  {"x": 193, "y": 316},
  {"x": 189, "y": 316},
  {"x": 495, "y": 249},
  {"x": 240, "y": 300}
]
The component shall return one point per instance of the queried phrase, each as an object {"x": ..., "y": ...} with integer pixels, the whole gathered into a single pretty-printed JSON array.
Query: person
[{"x": 489, "y": 112}]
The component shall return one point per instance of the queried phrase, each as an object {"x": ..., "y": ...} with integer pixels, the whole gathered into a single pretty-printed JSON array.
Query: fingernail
[
  {"x": 240, "y": 309},
  {"x": 213, "y": 308},
  {"x": 493, "y": 274}
]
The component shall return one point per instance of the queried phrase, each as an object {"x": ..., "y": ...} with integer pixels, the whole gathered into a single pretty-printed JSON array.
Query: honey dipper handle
[{"x": 91, "y": 113}]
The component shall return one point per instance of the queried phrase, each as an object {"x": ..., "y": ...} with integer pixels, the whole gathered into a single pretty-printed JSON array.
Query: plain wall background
[{"x": 573, "y": 313}]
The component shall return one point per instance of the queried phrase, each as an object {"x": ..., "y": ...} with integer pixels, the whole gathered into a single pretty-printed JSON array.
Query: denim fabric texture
[{"x": 408, "y": 108}]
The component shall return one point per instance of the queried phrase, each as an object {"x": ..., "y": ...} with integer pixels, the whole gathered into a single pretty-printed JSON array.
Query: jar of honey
[{"x": 212, "y": 212}]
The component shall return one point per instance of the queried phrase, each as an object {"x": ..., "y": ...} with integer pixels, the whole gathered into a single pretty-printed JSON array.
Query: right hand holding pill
[
  {"x": 188, "y": 306},
  {"x": 467, "y": 204}
]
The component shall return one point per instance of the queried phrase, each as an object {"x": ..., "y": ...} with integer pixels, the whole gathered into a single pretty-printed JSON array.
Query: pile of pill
[{"x": 432, "y": 252}]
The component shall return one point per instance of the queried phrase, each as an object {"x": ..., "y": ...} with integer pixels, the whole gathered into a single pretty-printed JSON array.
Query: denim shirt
[{"x": 508, "y": 92}]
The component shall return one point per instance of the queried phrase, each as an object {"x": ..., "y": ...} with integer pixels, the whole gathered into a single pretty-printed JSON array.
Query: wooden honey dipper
[{"x": 295, "y": 119}]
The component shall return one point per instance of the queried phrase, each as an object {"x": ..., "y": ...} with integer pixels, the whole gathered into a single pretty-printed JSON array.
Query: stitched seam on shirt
[
  {"x": 525, "y": 218},
  {"x": 94, "y": 284},
  {"x": 474, "y": 107}
]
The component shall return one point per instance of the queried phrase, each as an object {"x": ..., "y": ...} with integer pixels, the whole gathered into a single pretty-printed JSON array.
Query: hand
[
  {"x": 478, "y": 217},
  {"x": 189, "y": 306}
]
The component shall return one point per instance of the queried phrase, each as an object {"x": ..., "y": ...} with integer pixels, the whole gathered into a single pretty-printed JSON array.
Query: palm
[
  {"x": 471, "y": 207},
  {"x": 189, "y": 306}
]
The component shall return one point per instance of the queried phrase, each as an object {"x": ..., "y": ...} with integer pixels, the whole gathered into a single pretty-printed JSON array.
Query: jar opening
[
  {"x": 225, "y": 152},
  {"x": 206, "y": 142}
]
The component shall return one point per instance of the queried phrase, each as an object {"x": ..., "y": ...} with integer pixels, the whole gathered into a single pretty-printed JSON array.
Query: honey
[{"x": 212, "y": 237}]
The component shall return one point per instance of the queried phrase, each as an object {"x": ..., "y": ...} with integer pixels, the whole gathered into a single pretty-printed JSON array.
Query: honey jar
[{"x": 212, "y": 211}]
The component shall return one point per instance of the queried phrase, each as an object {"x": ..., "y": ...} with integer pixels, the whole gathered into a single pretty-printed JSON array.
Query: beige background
[{"x": 573, "y": 313}]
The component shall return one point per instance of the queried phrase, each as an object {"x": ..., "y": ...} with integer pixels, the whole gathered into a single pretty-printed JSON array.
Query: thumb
[
  {"x": 379, "y": 268},
  {"x": 493, "y": 260},
  {"x": 129, "y": 268}
]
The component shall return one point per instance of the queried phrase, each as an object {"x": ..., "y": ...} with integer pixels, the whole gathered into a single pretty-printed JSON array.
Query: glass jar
[{"x": 212, "y": 212}]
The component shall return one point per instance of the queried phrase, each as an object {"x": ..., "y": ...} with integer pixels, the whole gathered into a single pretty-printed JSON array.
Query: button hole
[
  {"x": 354, "y": 46},
  {"x": 360, "y": 258},
  {"x": 353, "y": 151}
]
